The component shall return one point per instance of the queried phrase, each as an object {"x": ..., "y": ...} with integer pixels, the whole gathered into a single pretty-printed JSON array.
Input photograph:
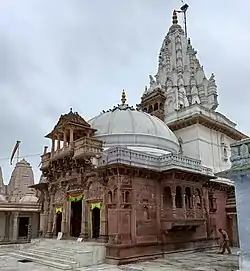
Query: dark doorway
[
  {"x": 95, "y": 222},
  {"x": 58, "y": 222},
  {"x": 76, "y": 218},
  {"x": 23, "y": 227}
]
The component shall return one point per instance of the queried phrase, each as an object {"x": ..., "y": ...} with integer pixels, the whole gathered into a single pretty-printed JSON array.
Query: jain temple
[{"x": 143, "y": 179}]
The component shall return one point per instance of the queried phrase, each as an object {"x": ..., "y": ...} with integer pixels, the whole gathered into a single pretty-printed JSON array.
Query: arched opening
[
  {"x": 115, "y": 196},
  {"x": 167, "y": 198},
  {"x": 197, "y": 198},
  {"x": 96, "y": 222},
  {"x": 58, "y": 222},
  {"x": 156, "y": 106},
  {"x": 23, "y": 227},
  {"x": 150, "y": 109},
  {"x": 126, "y": 196},
  {"x": 188, "y": 198},
  {"x": 178, "y": 197},
  {"x": 110, "y": 197},
  {"x": 76, "y": 218}
]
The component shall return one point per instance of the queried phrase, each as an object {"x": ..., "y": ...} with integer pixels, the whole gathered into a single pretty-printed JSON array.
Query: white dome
[
  {"x": 28, "y": 199},
  {"x": 125, "y": 126}
]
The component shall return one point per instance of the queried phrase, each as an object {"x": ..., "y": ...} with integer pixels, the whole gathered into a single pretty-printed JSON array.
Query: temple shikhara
[{"x": 145, "y": 179}]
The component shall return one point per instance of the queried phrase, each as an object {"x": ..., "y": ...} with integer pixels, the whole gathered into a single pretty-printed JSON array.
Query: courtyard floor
[{"x": 186, "y": 261}]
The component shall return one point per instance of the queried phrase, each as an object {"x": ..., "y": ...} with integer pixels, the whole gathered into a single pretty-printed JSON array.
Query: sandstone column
[
  {"x": 64, "y": 138},
  {"x": 184, "y": 205},
  {"x": 53, "y": 146},
  {"x": 15, "y": 226},
  {"x": 174, "y": 205},
  {"x": 51, "y": 216},
  {"x": 104, "y": 218},
  {"x": 7, "y": 226},
  {"x": 64, "y": 217}
]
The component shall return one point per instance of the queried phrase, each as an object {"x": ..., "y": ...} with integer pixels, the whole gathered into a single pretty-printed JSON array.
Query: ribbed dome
[
  {"x": 28, "y": 199},
  {"x": 125, "y": 126}
]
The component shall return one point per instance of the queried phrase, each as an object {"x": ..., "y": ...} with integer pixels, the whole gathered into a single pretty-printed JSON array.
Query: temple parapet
[
  {"x": 240, "y": 155},
  {"x": 159, "y": 163}
]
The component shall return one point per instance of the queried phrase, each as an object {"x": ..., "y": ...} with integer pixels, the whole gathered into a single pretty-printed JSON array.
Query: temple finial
[
  {"x": 71, "y": 110},
  {"x": 123, "y": 99},
  {"x": 175, "y": 18}
]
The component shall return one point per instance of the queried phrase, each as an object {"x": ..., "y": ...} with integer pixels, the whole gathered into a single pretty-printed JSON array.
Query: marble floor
[{"x": 187, "y": 261}]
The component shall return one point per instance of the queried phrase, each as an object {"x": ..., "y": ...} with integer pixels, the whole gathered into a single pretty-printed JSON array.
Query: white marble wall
[{"x": 206, "y": 145}]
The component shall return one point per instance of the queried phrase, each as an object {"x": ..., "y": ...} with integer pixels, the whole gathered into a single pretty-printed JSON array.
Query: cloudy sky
[{"x": 81, "y": 53}]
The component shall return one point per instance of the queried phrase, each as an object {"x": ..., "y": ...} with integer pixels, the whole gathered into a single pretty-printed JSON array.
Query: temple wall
[
  {"x": 221, "y": 215},
  {"x": 146, "y": 209},
  {"x": 2, "y": 225},
  {"x": 206, "y": 145}
]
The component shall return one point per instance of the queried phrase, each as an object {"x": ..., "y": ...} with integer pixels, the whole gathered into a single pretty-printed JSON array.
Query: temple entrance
[
  {"x": 95, "y": 222},
  {"x": 58, "y": 222},
  {"x": 76, "y": 218},
  {"x": 23, "y": 227}
]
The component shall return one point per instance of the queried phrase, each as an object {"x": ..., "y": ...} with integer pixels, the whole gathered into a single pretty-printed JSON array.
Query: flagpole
[{"x": 18, "y": 153}]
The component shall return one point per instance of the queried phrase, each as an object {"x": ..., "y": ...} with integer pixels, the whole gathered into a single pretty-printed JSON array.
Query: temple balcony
[
  {"x": 182, "y": 219},
  {"x": 63, "y": 152},
  {"x": 87, "y": 147}
]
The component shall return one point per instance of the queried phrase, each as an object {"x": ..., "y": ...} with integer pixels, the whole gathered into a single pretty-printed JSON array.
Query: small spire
[
  {"x": 175, "y": 18},
  {"x": 123, "y": 99}
]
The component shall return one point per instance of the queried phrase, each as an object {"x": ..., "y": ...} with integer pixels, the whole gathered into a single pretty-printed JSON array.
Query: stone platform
[{"x": 52, "y": 255}]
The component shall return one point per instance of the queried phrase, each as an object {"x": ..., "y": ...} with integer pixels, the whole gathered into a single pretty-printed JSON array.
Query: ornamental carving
[
  {"x": 60, "y": 197},
  {"x": 95, "y": 191},
  {"x": 244, "y": 151}
]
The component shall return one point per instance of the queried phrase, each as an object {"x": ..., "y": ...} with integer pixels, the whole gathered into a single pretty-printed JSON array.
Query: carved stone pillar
[
  {"x": 71, "y": 135},
  {"x": 184, "y": 205},
  {"x": 64, "y": 218},
  {"x": 58, "y": 143},
  {"x": 51, "y": 216},
  {"x": 15, "y": 226},
  {"x": 64, "y": 138},
  {"x": 174, "y": 205},
  {"x": 84, "y": 223},
  {"x": 46, "y": 212},
  {"x": 7, "y": 226},
  {"x": 104, "y": 218},
  {"x": 53, "y": 146}
]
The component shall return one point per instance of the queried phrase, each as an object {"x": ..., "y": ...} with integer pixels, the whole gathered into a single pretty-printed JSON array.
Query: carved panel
[
  {"x": 95, "y": 191},
  {"x": 60, "y": 197}
]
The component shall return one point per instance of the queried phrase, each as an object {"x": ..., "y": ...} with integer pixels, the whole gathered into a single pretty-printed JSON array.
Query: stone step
[
  {"x": 101, "y": 267},
  {"x": 63, "y": 253},
  {"x": 52, "y": 258},
  {"x": 63, "y": 249},
  {"x": 42, "y": 261}
]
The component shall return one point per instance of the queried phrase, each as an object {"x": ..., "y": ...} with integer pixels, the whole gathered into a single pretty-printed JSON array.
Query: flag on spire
[{"x": 16, "y": 148}]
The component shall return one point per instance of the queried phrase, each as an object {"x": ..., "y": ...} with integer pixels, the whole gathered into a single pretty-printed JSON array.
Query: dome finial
[
  {"x": 123, "y": 99},
  {"x": 175, "y": 18}
]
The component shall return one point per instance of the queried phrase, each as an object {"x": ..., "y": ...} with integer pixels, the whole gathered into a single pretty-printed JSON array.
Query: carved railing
[
  {"x": 65, "y": 151},
  {"x": 87, "y": 147},
  {"x": 162, "y": 163}
]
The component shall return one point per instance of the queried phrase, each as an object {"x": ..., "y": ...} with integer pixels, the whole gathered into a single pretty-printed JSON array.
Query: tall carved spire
[{"x": 180, "y": 74}]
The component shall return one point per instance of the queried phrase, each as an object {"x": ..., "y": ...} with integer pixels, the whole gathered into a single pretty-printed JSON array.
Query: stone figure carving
[
  {"x": 59, "y": 197},
  {"x": 244, "y": 151},
  {"x": 152, "y": 82},
  {"x": 181, "y": 145}
]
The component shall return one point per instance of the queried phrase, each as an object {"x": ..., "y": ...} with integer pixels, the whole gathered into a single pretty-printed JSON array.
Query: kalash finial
[
  {"x": 123, "y": 99},
  {"x": 175, "y": 18}
]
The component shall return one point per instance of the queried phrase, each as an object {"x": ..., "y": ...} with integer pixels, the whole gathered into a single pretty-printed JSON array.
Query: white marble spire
[{"x": 180, "y": 74}]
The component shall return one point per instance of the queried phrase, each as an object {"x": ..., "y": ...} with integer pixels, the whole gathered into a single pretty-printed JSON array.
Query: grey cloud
[{"x": 77, "y": 53}]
